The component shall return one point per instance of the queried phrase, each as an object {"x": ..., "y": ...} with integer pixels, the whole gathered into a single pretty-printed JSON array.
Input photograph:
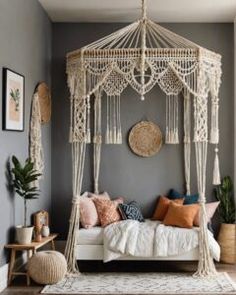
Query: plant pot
[
  {"x": 227, "y": 242},
  {"x": 24, "y": 234}
]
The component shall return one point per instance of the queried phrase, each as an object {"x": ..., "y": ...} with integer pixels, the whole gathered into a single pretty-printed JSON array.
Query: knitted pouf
[{"x": 47, "y": 267}]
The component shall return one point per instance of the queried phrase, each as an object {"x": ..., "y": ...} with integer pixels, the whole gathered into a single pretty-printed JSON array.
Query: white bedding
[
  {"x": 92, "y": 236},
  {"x": 151, "y": 239}
]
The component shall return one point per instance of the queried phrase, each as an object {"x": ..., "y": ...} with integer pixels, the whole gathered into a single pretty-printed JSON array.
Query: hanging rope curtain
[{"x": 142, "y": 55}]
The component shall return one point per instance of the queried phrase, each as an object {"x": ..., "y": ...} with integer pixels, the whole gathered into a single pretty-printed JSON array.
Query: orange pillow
[
  {"x": 181, "y": 215},
  {"x": 162, "y": 207},
  {"x": 107, "y": 211}
]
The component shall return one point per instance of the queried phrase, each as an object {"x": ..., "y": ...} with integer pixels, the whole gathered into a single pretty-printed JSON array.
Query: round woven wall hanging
[
  {"x": 145, "y": 139},
  {"x": 44, "y": 101}
]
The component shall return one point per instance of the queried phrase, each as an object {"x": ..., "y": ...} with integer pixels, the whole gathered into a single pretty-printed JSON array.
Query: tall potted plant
[
  {"x": 23, "y": 178},
  {"x": 226, "y": 238}
]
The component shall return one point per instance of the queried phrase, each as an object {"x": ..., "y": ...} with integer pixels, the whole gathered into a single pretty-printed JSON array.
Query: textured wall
[
  {"x": 123, "y": 173},
  {"x": 25, "y": 46}
]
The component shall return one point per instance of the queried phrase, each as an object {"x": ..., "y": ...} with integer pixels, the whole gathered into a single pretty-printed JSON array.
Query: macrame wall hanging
[
  {"x": 35, "y": 138},
  {"x": 40, "y": 114},
  {"x": 142, "y": 55}
]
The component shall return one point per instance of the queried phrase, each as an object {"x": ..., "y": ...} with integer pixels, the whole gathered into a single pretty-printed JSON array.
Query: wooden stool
[{"x": 30, "y": 249}]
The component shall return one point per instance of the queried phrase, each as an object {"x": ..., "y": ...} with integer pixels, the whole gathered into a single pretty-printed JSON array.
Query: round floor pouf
[{"x": 47, "y": 267}]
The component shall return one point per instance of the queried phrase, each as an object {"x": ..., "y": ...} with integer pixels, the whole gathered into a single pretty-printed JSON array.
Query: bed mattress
[
  {"x": 90, "y": 244},
  {"x": 92, "y": 236}
]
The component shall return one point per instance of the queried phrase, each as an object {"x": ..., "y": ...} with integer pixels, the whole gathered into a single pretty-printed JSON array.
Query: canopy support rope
[
  {"x": 97, "y": 140},
  {"x": 78, "y": 157},
  {"x": 187, "y": 139}
]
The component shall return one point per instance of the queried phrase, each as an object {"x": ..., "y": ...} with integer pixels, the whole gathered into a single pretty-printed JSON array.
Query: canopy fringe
[{"x": 172, "y": 120}]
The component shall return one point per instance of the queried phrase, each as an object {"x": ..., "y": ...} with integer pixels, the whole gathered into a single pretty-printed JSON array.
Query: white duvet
[{"x": 151, "y": 239}]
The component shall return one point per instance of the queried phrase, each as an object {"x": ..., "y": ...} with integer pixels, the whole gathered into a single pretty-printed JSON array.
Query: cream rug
[{"x": 142, "y": 283}]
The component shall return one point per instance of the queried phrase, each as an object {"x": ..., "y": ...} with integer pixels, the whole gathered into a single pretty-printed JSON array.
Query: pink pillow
[
  {"x": 88, "y": 211},
  {"x": 210, "y": 211}
]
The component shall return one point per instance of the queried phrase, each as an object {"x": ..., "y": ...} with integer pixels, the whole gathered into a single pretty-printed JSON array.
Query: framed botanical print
[{"x": 13, "y": 100}]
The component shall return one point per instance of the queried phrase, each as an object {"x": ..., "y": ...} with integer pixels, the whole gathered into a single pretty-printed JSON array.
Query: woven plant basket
[{"x": 227, "y": 242}]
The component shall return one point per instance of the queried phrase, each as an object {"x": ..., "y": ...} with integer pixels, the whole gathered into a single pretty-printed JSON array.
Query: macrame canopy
[{"x": 142, "y": 55}]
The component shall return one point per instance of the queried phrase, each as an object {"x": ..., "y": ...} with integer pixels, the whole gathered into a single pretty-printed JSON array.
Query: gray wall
[
  {"x": 123, "y": 173},
  {"x": 25, "y": 46}
]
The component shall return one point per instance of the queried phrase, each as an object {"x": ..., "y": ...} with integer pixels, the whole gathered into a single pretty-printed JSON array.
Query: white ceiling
[{"x": 129, "y": 10}]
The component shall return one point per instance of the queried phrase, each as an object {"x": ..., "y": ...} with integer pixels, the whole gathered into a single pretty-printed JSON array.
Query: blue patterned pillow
[
  {"x": 131, "y": 211},
  {"x": 188, "y": 199}
]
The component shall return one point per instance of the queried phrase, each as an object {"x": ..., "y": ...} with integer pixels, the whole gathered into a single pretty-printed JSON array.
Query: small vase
[
  {"x": 45, "y": 231},
  {"x": 38, "y": 238}
]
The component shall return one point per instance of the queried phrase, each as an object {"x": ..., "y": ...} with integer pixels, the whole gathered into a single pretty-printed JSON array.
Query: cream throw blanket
[{"x": 151, "y": 239}]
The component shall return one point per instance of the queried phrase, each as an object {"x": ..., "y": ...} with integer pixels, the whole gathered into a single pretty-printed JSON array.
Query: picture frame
[
  {"x": 41, "y": 218},
  {"x": 13, "y": 101}
]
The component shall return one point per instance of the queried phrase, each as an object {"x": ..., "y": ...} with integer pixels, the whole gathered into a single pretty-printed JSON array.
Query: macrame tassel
[
  {"x": 216, "y": 171},
  {"x": 118, "y": 121},
  {"x": 108, "y": 131},
  {"x": 88, "y": 131},
  {"x": 71, "y": 134},
  {"x": 113, "y": 129},
  {"x": 172, "y": 134},
  {"x": 214, "y": 135}
]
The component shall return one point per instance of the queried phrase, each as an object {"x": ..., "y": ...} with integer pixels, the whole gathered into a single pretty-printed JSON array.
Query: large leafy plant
[
  {"x": 224, "y": 194},
  {"x": 23, "y": 178}
]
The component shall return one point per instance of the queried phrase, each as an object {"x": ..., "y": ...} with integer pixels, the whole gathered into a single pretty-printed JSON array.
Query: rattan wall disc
[
  {"x": 44, "y": 101},
  {"x": 145, "y": 139}
]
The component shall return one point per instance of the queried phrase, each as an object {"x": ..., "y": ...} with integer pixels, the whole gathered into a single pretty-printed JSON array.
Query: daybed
[{"x": 90, "y": 242}]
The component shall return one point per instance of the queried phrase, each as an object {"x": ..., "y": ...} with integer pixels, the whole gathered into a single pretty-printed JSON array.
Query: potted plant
[
  {"x": 23, "y": 178},
  {"x": 226, "y": 238}
]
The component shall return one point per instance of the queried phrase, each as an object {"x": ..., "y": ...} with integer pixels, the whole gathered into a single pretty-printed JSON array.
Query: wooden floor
[{"x": 19, "y": 284}]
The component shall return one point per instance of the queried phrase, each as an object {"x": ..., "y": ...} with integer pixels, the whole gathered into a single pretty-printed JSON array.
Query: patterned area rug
[{"x": 142, "y": 283}]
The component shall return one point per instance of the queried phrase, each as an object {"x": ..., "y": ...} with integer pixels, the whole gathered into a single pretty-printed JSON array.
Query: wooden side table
[{"x": 30, "y": 249}]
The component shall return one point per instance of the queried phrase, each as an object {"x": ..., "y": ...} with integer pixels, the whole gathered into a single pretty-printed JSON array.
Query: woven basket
[
  {"x": 227, "y": 242},
  {"x": 47, "y": 267},
  {"x": 145, "y": 139},
  {"x": 44, "y": 102}
]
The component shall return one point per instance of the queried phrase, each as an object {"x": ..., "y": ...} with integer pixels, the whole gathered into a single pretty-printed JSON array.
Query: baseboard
[
  {"x": 4, "y": 271},
  {"x": 3, "y": 276}
]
